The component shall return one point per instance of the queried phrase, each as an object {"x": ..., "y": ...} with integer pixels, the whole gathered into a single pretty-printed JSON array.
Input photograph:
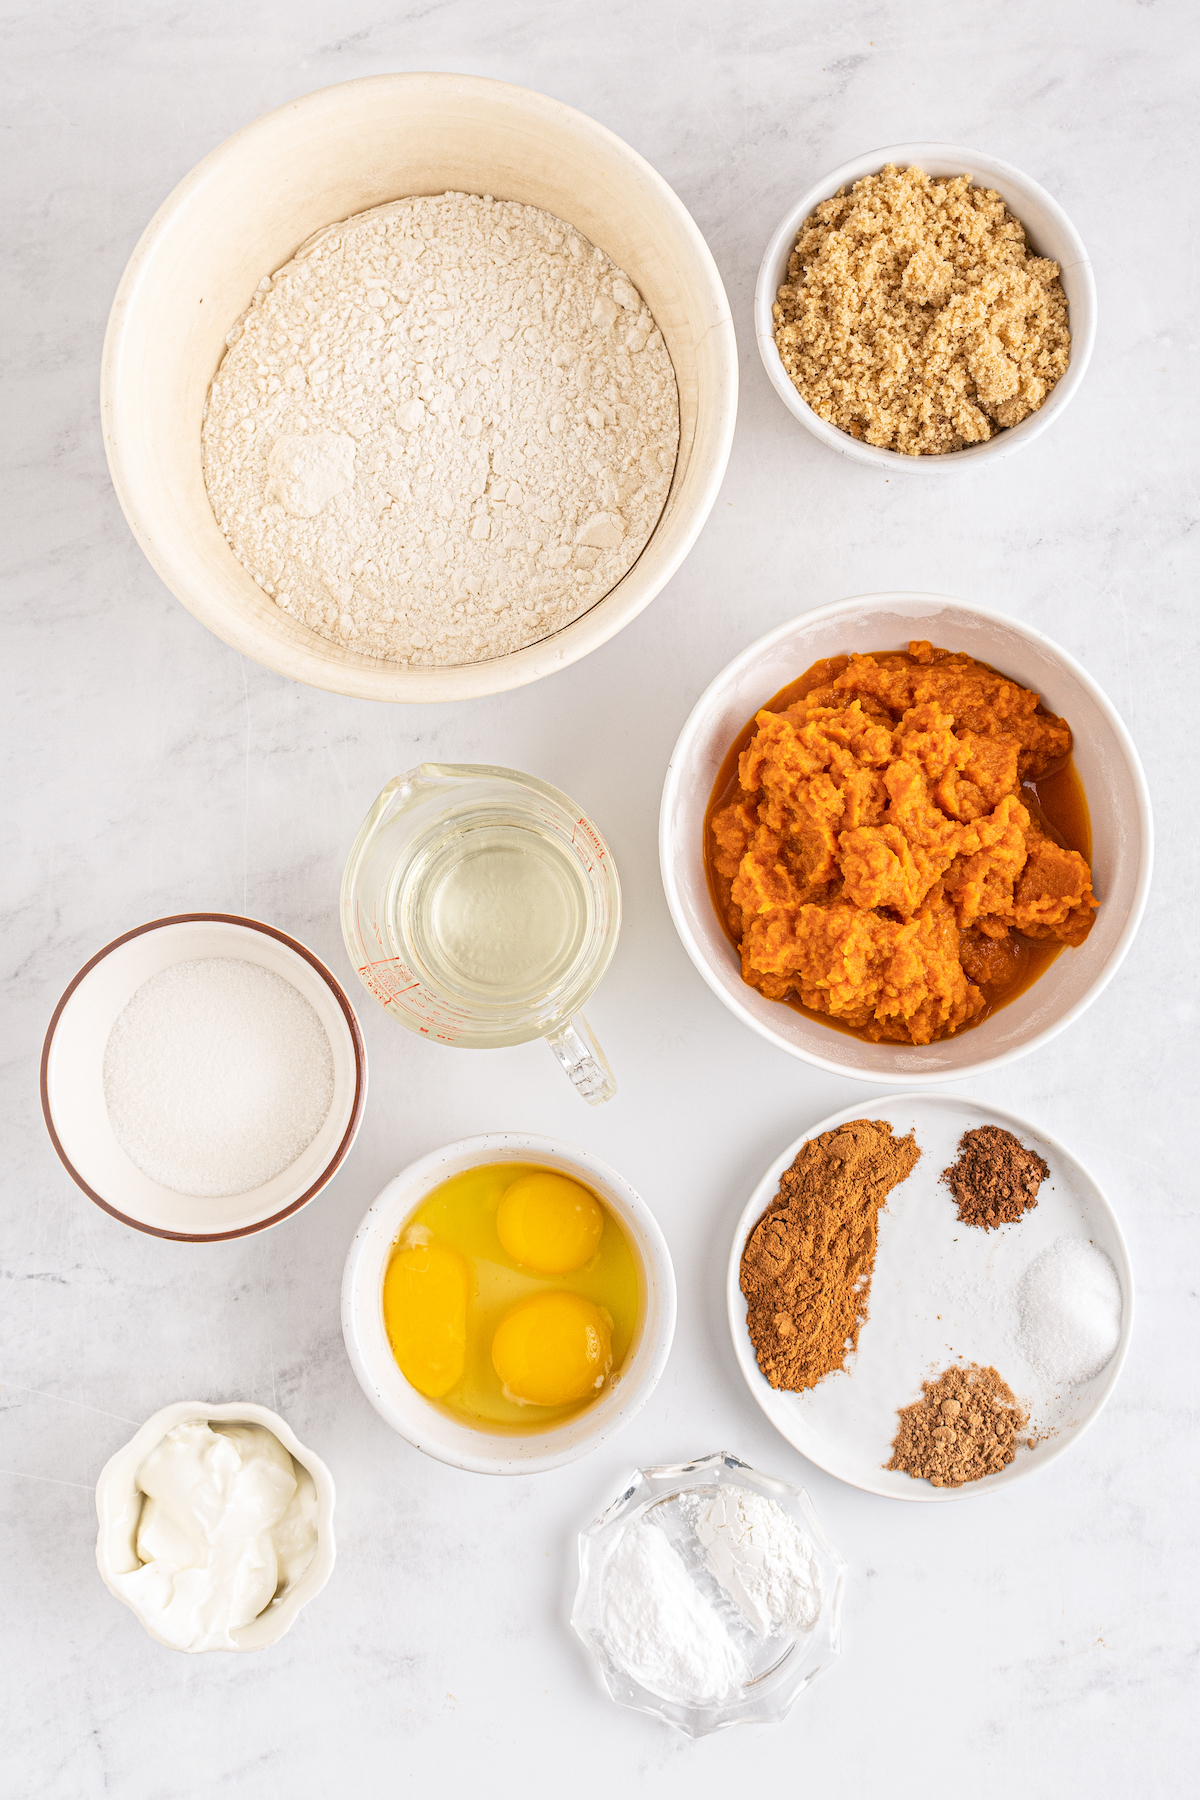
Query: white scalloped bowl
[
  {"x": 1107, "y": 764},
  {"x": 248, "y": 207},
  {"x": 119, "y": 1507},
  {"x": 1048, "y": 232}
]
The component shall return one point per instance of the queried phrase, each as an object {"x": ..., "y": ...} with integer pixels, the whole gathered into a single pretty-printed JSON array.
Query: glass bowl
[{"x": 782, "y": 1665}]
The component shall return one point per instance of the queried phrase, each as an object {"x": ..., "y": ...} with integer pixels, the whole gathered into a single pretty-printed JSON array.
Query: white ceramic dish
[
  {"x": 119, "y": 1506},
  {"x": 72, "y": 1078},
  {"x": 1108, "y": 765},
  {"x": 248, "y": 207},
  {"x": 781, "y": 1665},
  {"x": 1048, "y": 231},
  {"x": 421, "y": 1421},
  {"x": 942, "y": 1292}
]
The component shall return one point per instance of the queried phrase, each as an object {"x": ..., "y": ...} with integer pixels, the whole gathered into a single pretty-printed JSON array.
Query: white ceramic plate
[{"x": 942, "y": 1293}]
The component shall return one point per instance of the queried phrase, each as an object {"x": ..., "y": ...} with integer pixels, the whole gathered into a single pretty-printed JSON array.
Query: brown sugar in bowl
[{"x": 1049, "y": 233}]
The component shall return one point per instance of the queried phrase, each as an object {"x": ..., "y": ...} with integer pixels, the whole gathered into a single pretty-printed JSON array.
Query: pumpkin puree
[{"x": 880, "y": 841}]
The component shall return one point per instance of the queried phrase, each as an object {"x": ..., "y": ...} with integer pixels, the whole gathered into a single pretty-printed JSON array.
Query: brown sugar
[
  {"x": 914, "y": 317},
  {"x": 995, "y": 1178},
  {"x": 964, "y": 1426},
  {"x": 885, "y": 861},
  {"x": 806, "y": 1268}
]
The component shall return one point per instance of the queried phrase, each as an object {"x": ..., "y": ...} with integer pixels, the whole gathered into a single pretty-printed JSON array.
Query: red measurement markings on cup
[{"x": 582, "y": 826}]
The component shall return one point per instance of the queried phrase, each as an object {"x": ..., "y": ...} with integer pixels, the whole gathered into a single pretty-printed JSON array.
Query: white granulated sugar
[
  {"x": 1070, "y": 1310},
  {"x": 444, "y": 430},
  {"x": 762, "y": 1560},
  {"x": 659, "y": 1627},
  {"x": 218, "y": 1074}
]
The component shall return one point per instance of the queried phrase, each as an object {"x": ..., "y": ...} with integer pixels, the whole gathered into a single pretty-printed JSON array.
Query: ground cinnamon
[
  {"x": 995, "y": 1178},
  {"x": 806, "y": 1268},
  {"x": 964, "y": 1426}
]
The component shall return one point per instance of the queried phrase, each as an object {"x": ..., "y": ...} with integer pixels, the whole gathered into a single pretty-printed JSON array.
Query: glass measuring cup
[{"x": 480, "y": 907}]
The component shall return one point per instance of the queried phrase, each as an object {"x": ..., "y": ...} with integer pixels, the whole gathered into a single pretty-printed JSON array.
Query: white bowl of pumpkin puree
[{"x": 905, "y": 838}]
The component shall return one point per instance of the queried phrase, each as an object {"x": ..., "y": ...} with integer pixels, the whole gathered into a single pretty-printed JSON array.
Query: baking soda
[
  {"x": 218, "y": 1074},
  {"x": 660, "y": 1628}
]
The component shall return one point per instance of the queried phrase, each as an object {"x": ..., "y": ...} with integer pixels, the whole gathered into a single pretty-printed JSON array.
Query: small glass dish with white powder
[{"x": 709, "y": 1595}]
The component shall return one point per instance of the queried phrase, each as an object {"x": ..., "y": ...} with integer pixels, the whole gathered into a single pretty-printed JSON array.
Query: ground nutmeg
[
  {"x": 806, "y": 1268},
  {"x": 994, "y": 1179}
]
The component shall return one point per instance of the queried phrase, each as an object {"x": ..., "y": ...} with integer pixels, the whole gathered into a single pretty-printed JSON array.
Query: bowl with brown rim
[
  {"x": 72, "y": 1078},
  {"x": 1104, "y": 758}
]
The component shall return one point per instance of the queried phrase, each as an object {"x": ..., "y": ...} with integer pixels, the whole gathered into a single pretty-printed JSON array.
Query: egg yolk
[
  {"x": 552, "y": 1348},
  {"x": 425, "y": 1312},
  {"x": 549, "y": 1223}
]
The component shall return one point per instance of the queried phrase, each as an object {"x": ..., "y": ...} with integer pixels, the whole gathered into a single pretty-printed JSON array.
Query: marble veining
[{"x": 1043, "y": 1641}]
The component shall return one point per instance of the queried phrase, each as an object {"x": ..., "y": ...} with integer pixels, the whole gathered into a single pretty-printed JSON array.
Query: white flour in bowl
[{"x": 442, "y": 431}]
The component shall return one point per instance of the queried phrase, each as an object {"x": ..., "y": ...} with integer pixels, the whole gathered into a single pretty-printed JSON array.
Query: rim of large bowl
[
  {"x": 1005, "y": 443},
  {"x": 377, "y": 680},
  {"x": 424, "y": 1173},
  {"x": 356, "y": 1111},
  {"x": 684, "y": 746}
]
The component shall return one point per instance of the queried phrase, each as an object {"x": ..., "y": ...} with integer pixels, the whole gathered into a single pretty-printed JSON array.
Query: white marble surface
[{"x": 1043, "y": 1641}]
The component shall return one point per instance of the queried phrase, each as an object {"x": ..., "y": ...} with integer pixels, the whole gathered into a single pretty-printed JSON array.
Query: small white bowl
[
  {"x": 119, "y": 1507},
  {"x": 1107, "y": 764},
  {"x": 420, "y": 1420},
  {"x": 1048, "y": 232},
  {"x": 247, "y": 208},
  {"x": 72, "y": 1078}
]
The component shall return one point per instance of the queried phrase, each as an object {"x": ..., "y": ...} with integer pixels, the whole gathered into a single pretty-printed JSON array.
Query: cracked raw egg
[
  {"x": 512, "y": 1297},
  {"x": 549, "y": 1223},
  {"x": 552, "y": 1348},
  {"x": 425, "y": 1311}
]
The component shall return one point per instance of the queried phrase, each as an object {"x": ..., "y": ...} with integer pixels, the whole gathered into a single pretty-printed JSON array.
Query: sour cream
[{"x": 228, "y": 1521}]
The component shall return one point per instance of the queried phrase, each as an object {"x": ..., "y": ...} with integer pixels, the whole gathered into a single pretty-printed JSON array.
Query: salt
[
  {"x": 1070, "y": 1311},
  {"x": 218, "y": 1074}
]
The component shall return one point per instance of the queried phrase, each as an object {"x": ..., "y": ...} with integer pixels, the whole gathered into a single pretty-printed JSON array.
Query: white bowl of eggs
[{"x": 508, "y": 1303}]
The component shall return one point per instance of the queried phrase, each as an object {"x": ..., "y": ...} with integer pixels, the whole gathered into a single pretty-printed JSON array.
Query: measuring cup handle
[{"x": 576, "y": 1048}]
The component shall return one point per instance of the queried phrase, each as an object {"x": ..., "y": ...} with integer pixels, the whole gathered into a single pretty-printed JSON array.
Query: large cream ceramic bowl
[
  {"x": 430, "y": 1427},
  {"x": 1048, "y": 232},
  {"x": 1108, "y": 766},
  {"x": 249, "y": 206}
]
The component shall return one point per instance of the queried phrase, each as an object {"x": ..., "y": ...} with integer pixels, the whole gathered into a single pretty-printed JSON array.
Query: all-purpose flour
[{"x": 444, "y": 430}]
